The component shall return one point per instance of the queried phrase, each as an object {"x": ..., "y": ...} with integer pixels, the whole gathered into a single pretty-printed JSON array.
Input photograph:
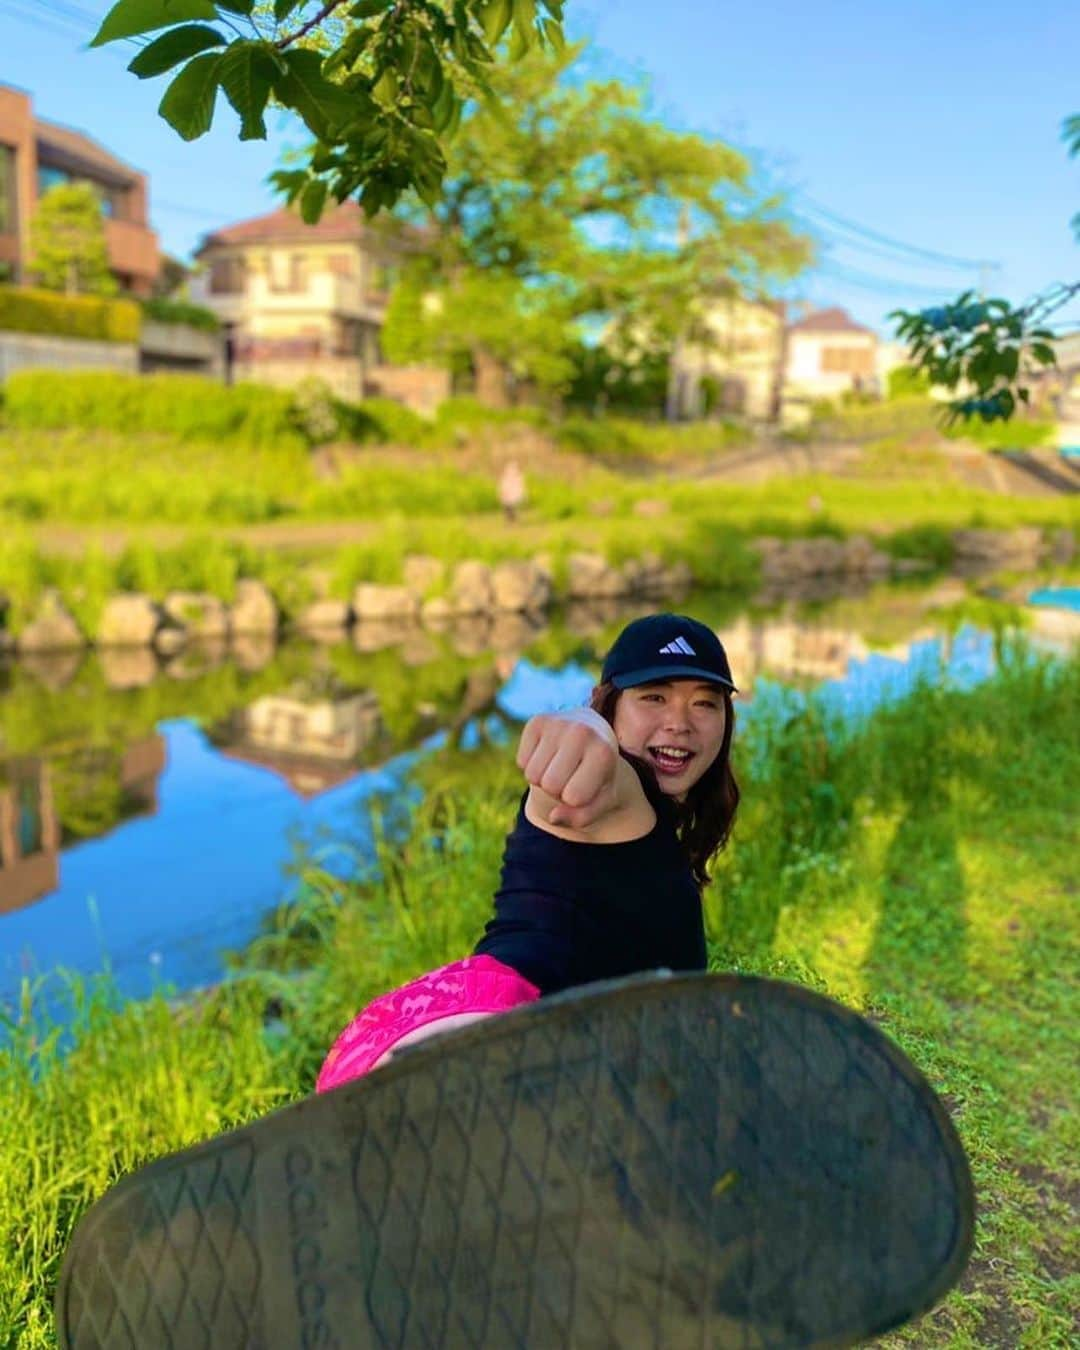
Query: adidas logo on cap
[{"x": 680, "y": 647}]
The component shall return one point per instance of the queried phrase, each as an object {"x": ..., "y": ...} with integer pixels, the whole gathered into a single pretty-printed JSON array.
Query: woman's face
[{"x": 677, "y": 725}]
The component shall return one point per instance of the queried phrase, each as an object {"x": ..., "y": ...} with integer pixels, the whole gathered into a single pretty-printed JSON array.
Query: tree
[
  {"x": 988, "y": 347},
  {"x": 67, "y": 241},
  {"x": 380, "y": 84},
  {"x": 566, "y": 210}
]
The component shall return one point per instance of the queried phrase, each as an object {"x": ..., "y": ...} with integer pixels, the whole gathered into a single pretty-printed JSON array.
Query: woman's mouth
[{"x": 669, "y": 759}]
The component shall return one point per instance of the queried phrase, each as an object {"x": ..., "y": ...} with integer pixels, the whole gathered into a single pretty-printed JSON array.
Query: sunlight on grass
[{"x": 920, "y": 868}]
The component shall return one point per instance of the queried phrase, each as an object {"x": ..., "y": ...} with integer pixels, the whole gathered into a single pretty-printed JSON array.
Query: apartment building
[
  {"x": 35, "y": 155},
  {"x": 302, "y": 300}
]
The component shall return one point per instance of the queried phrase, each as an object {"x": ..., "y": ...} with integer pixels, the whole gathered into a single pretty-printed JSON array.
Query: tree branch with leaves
[
  {"x": 989, "y": 350},
  {"x": 380, "y": 84}
]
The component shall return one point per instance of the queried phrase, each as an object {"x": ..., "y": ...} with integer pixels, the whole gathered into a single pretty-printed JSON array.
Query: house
[
  {"x": 829, "y": 354},
  {"x": 34, "y": 156},
  {"x": 302, "y": 301},
  {"x": 738, "y": 368}
]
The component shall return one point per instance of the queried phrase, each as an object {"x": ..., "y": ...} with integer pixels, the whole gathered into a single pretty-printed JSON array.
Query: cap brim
[{"x": 669, "y": 671}]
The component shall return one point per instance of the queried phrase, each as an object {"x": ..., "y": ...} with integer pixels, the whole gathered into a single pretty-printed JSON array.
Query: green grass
[{"x": 921, "y": 868}]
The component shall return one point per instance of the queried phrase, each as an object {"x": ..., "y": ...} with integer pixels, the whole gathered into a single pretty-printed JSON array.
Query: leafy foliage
[
  {"x": 67, "y": 241},
  {"x": 988, "y": 348},
  {"x": 380, "y": 84},
  {"x": 24, "y": 309},
  {"x": 567, "y": 210},
  {"x": 984, "y": 344}
]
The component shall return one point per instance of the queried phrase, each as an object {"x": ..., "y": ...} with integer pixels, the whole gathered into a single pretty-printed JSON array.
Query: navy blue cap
[{"x": 666, "y": 647}]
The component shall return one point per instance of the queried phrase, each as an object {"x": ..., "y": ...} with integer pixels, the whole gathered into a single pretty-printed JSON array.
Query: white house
[{"x": 829, "y": 354}]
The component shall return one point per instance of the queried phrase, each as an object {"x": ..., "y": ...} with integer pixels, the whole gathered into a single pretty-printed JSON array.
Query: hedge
[
  {"x": 25, "y": 310},
  {"x": 178, "y": 311},
  {"x": 186, "y": 406}
]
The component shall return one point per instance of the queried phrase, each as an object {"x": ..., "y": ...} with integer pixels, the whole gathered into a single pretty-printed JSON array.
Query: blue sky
[{"x": 932, "y": 125}]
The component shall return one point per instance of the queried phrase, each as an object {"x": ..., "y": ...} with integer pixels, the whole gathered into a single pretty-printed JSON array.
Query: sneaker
[{"x": 663, "y": 1161}]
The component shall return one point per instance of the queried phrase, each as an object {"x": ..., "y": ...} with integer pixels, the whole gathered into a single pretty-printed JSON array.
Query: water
[{"x": 146, "y": 830}]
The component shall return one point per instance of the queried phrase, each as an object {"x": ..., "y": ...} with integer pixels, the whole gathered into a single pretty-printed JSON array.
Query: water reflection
[
  {"x": 44, "y": 806},
  {"x": 29, "y": 835},
  {"x": 150, "y": 822},
  {"x": 313, "y": 743}
]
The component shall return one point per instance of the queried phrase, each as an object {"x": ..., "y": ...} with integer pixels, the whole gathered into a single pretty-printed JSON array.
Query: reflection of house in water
[
  {"x": 788, "y": 650},
  {"x": 313, "y": 744},
  {"x": 29, "y": 834},
  {"x": 35, "y": 801}
]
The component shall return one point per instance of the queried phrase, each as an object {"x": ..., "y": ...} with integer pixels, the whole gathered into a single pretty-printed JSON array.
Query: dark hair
[{"x": 703, "y": 821}]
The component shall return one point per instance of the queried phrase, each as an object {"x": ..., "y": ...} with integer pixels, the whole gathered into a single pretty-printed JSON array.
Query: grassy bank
[
  {"x": 921, "y": 868},
  {"x": 711, "y": 525}
]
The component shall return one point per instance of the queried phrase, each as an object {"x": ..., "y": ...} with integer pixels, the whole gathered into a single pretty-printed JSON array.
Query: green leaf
[
  {"x": 386, "y": 86},
  {"x": 367, "y": 9},
  {"x": 442, "y": 110},
  {"x": 312, "y": 200},
  {"x": 1070, "y": 133},
  {"x": 346, "y": 56},
  {"x": 243, "y": 7},
  {"x": 129, "y": 18},
  {"x": 247, "y": 73},
  {"x": 283, "y": 8},
  {"x": 188, "y": 105},
  {"x": 173, "y": 47},
  {"x": 1043, "y": 352},
  {"x": 326, "y": 108},
  {"x": 554, "y": 34},
  {"x": 495, "y": 19}
]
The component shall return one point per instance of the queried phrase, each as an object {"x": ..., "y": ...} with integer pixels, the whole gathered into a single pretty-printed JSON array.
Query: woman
[
  {"x": 627, "y": 801},
  {"x": 699, "y": 1161}
]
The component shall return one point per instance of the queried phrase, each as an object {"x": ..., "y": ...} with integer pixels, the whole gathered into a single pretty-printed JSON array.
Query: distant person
[{"x": 512, "y": 490}]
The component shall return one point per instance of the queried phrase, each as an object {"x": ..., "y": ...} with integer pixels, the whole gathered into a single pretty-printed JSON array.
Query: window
[
  {"x": 847, "y": 360},
  {"x": 288, "y": 273},
  {"x": 227, "y": 276},
  {"x": 50, "y": 177},
  {"x": 7, "y": 190},
  {"x": 341, "y": 265}
]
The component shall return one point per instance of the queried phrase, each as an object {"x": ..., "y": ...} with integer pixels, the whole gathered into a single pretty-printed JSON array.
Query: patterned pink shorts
[{"x": 479, "y": 984}]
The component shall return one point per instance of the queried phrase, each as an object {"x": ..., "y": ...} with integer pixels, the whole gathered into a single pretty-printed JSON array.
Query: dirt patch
[{"x": 1065, "y": 1190}]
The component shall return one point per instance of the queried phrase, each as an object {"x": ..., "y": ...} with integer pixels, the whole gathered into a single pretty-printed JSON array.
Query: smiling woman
[{"x": 625, "y": 803}]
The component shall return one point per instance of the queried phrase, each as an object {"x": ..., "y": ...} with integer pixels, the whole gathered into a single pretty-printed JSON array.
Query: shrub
[
  {"x": 186, "y": 406},
  {"x": 929, "y": 543},
  {"x": 179, "y": 311},
  {"x": 382, "y": 421},
  {"x": 26, "y": 310},
  {"x": 872, "y": 421}
]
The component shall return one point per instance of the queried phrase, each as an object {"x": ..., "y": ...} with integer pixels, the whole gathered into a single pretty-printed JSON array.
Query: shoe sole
[{"x": 669, "y": 1162}]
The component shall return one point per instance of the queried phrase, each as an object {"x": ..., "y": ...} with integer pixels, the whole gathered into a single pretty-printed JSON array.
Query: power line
[
  {"x": 831, "y": 238},
  {"x": 888, "y": 286},
  {"x": 914, "y": 250}
]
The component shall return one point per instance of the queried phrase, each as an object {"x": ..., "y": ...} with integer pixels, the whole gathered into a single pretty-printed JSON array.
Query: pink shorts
[{"x": 479, "y": 984}]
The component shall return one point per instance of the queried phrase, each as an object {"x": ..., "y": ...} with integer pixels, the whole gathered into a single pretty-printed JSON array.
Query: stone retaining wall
[{"x": 511, "y": 595}]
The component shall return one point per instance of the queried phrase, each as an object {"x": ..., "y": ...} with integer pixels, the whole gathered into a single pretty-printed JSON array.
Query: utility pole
[{"x": 676, "y": 371}]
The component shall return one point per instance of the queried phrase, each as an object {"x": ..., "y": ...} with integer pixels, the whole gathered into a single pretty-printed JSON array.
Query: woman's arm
[{"x": 580, "y": 787}]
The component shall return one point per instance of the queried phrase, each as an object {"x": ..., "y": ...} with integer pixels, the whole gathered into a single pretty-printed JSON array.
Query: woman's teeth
[{"x": 668, "y": 759}]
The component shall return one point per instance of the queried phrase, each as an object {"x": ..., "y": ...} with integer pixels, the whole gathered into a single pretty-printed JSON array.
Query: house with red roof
[
  {"x": 300, "y": 301},
  {"x": 828, "y": 354}
]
